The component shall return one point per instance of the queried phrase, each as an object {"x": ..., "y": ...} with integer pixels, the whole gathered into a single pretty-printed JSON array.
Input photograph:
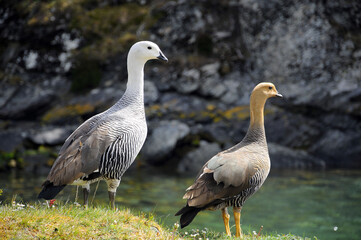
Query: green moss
[
  {"x": 45, "y": 151},
  {"x": 59, "y": 113},
  {"x": 109, "y": 30},
  {"x": 210, "y": 113},
  {"x": 40, "y": 12},
  {"x": 155, "y": 110},
  {"x": 109, "y": 20},
  {"x": 11, "y": 160},
  {"x": 217, "y": 115},
  {"x": 85, "y": 75},
  {"x": 106, "y": 30},
  {"x": 239, "y": 112}
]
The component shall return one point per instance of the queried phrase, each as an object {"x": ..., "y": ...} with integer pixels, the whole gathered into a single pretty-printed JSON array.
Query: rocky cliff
[{"x": 63, "y": 61}]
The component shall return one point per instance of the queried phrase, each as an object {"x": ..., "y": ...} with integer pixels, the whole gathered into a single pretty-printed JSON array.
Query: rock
[
  {"x": 150, "y": 92},
  {"x": 280, "y": 128},
  {"x": 100, "y": 97},
  {"x": 7, "y": 91},
  {"x": 340, "y": 148},
  {"x": 27, "y": 103},
  {"x": 284, "y": 157},
  {"x": 231, "y": 95},
  {"x": 51, "y": 136},
  {"x": 188, "y": 82},
  {"x": 212, "y": 87},
  {"x": 210, "y": 69},
  {"x": 163, "y": 140},
  {"x": 218, "y": 52},
  {"x": 311, "y": 54},
  {"x": 182, "y": 104},
  {"x": 28, "y": 100},
  {"x": 11, "y": 140},
  {"x": 194, "y": 160}
]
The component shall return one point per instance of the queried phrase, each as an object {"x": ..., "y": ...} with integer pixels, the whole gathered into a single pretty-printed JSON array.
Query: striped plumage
[
  {"x": 229, "y": 178},
  {"x": 104, "y": 146}
]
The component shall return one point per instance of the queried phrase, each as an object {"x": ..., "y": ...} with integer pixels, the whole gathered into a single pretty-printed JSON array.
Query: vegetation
[
  {"x": 73, "y": 222},
  {"x": 11, "y": 159},
  {"x": 85, "y": 75},
  {"x": 104, "y": 31},
  {"x": 19, "y": 221},
  {"x": 17, "y": 158},
  {"x": 70, "y": 111},
  {"x": 210, "y": 113}
]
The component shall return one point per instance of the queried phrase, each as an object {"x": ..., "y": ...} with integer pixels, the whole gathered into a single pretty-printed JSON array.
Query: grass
[
  {"x": 67, "y": 221},
  {"x": 74, "y": 222}
]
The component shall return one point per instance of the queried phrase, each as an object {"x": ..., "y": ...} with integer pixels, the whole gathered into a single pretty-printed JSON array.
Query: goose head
[
  {"x": 266, "y": 90},
  {"x": 146, "y": 50}
]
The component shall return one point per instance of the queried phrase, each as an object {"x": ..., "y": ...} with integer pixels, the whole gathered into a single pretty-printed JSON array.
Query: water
[{"x": 323, "y": 204}]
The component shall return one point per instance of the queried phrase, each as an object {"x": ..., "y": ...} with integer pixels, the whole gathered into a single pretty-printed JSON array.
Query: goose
[
  {"x": 230, "y": 177},
  {"x": 104, "y": 146}
]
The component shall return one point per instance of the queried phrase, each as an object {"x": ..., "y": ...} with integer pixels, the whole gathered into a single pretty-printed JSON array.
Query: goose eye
[
  {"x": 270, "y": 88},
  {"x": 149, "y": 48}
]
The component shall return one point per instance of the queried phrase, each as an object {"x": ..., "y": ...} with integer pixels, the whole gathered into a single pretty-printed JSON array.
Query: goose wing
[
  {"x": 83, "y": 153},
  {"x": 82, "y": 130},
  {"x": 224, "y": 176}
]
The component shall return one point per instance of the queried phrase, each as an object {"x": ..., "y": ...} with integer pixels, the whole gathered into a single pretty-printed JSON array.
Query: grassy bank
[{"x": 18, "y": 221}]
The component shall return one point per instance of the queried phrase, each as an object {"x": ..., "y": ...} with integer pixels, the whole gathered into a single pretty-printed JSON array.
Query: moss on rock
[
  {"x": 85, "y": 75},
  {"x": 59, "y": 113}
]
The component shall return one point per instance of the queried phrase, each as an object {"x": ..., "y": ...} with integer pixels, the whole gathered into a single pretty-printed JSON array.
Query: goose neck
[
  {"x": 135, "y": 68},
  {"x": 257, "y": 104},
  {"x": 256, "y": 132}
]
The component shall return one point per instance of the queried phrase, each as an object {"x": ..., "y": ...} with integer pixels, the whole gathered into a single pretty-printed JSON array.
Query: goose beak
[
  {"x": 162, "y": 57},
  {"x": 279, "y": 95}
]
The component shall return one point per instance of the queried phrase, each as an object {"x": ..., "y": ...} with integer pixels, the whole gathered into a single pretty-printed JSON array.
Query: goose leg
[
  {"x": 112, "y": 199},
  {"x": 237, "y": 219},
  {"x": 225, "y": 217},
  {"x": 112, "y": 188},
  {"x": 86, "y": 191}
]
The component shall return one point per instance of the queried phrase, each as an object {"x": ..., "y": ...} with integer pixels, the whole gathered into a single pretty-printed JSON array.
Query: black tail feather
[
  {"x": 49, "y": 191},
  {"x": 187, "y": 215}
]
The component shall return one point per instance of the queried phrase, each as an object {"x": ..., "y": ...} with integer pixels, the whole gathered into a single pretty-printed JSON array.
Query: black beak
[
  {"x": 162, "y": 57},
  {"x": 279, "y": 95}
]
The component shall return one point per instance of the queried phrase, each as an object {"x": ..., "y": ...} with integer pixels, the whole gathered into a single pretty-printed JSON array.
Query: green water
[{"x": 323, "y": 204}]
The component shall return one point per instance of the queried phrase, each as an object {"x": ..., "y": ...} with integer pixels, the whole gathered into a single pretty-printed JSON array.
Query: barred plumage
[
  {"x": 104, "y": 146},
  {"x": 118, "y": 157},
  {"x": 232, "y": 176}
]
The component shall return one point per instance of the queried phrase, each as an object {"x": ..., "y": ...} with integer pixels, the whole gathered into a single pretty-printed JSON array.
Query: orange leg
[
  {"x": 225, "y": 217},
  {"x": 237, "y": 219}
]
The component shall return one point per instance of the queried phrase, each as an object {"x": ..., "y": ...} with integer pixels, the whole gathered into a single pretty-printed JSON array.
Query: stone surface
[
  {"x": 188, "y": 82},
  {"x": 51, "y": 136},
  {"x": 27, "y": 103},
  {"x": 218, "y": 51},
  {"x": 340, "y": 148},
  {"x": 150, "y": 92},
  {"x": 163, "y": 140},
  {"x": 194, "y": 160},
  {"x": 213, "y": 87},
  {"x": 283, "y": 157},
  {"x": 11, "y": 140}
]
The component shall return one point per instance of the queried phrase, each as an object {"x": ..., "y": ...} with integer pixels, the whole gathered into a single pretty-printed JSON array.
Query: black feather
[
  {"x": 49, "y": 191},
  {"x": 92, "y": 176},
  {"x": 187, "y": 215}
]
